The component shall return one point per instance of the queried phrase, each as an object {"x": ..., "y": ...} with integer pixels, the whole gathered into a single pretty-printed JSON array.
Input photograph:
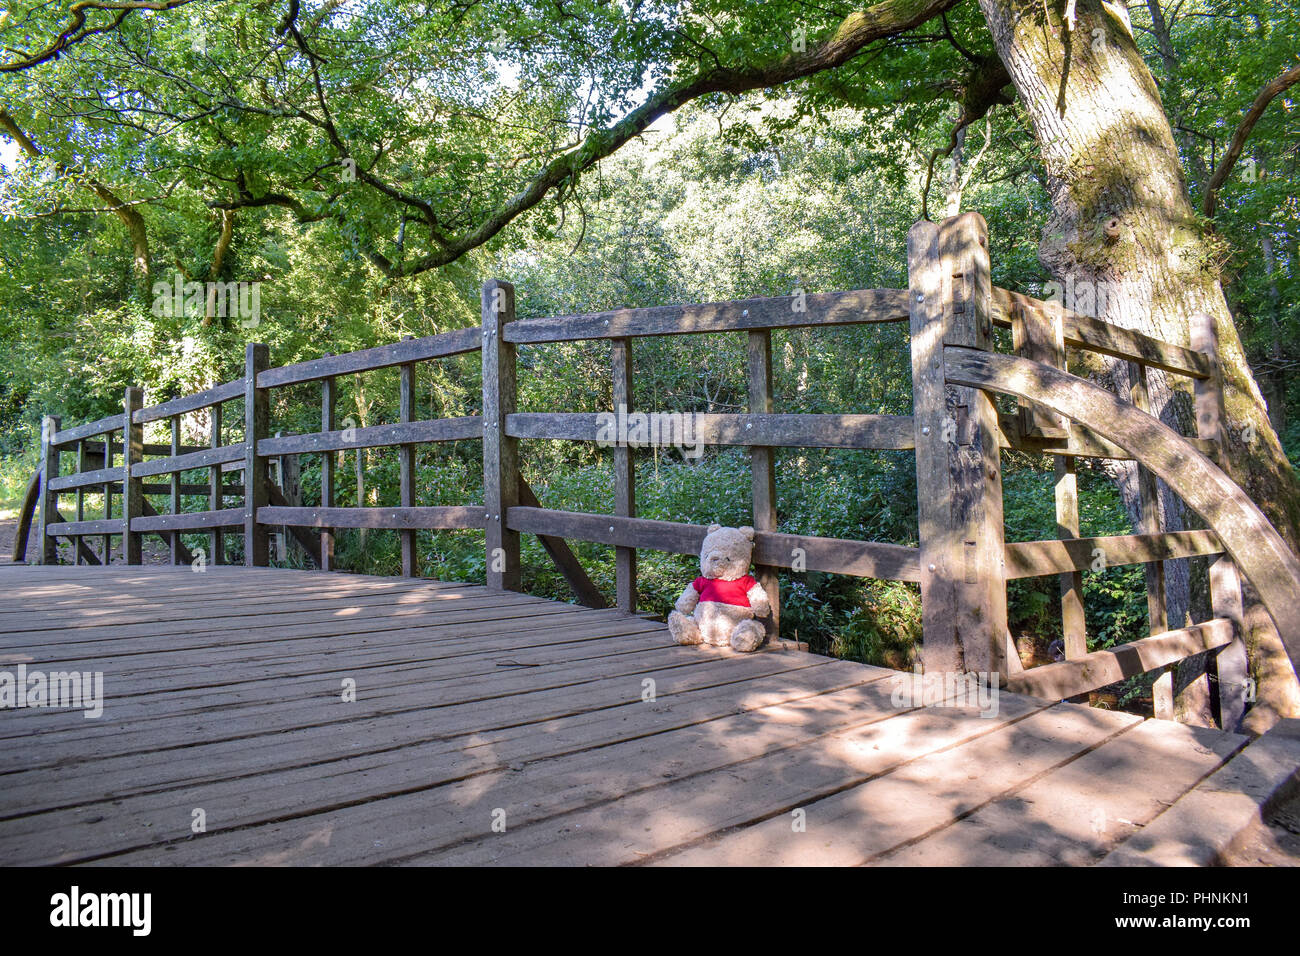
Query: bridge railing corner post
[
  {"x": 500, "y": 451},
  {"x": 47, "y": 552},
  {"x": 958, "y": 468}
]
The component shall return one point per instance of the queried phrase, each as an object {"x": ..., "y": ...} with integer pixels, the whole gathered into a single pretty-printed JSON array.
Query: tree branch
[
  {"x": 75, "y": 30},
  {"x": 1280, "y": 83}
]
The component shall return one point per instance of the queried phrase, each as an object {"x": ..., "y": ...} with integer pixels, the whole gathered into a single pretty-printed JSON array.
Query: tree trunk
[{"x": 1108, "y": 151}]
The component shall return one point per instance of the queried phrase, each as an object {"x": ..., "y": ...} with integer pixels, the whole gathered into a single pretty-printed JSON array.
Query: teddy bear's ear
[
  {"x": 712, "y": 528},
  {"x": 747, "y": 531}
]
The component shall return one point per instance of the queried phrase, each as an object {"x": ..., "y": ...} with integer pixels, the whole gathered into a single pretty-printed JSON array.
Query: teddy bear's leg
[
  {"x": 748, "y": 636},
  {"x": 683, "y": 629}
]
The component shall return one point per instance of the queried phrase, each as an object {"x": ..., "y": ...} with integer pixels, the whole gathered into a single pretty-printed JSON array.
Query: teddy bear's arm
[
  {"x": 690, "y": 597},
  {"x": 758, "y": 601}
]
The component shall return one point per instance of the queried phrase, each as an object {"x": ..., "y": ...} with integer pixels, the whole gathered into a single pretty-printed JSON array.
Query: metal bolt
[
  {"x": 920, "y": 297},
  {"x": 744, "y": 313},
  {"x": 925, "y": 429},
  {"x": 611, "y": 528},
  {"x": 932, "y": 567}
]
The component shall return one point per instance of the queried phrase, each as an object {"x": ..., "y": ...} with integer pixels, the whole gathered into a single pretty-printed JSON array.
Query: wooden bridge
[{"x": 263, "y": 715}]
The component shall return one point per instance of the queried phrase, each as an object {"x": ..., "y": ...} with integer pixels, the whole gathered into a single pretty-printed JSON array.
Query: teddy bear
[{"x": 721, "y": 605}]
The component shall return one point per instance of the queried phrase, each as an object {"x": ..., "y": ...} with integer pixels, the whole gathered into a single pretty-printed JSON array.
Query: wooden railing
[{"x": 962, "y": 562}]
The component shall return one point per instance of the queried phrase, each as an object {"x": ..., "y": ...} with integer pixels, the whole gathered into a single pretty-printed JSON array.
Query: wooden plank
[
  {"x": 80, "y": 550},
  {"x": 690, "y": 428},
  {"x": 133, "y": 501},
  {"x": 191, "y": 403},
  {"x": 782, "y": 756},
  {"x": 833, "y": 308},
  {"x": 257, "y": 418},
  {"x": 561, "y": 782},
  {"x": 1027, "y": 559},
  {"x": 1260, "y": 553},
  {"x": 406, "y": 468},
  {"x": 1084, "y": 332},
  {"x": 374, "y": 436},
  {"x": 624, "y": 475},
  {"x": 251, "y": 746},
  {"x": 500, "y": 449},
  {"x": 49, "y": 553},
  {"x": 837, "y": 555},
  {"x": 700, "y": 693},
  {"x": 69, "y": 529},
  {"x": 187, "y": 520},
  {"x": 438, "y": 518},
  {"x": 1101, "y": 668},
  {"x": 582, "y": 586},
  {"x": 762, "y": 462},
  {"x": 893, "y": 804},
  {"x": 454, "y": 342},
  {"x": 85, "y": 479},
  {"x": 69, "y": 435},
  {"x": 1074, "y": 815},
  {"x": 197, "y": 459}
]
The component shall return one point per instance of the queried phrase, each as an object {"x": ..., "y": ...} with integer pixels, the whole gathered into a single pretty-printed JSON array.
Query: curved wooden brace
[
  {"x": 1254, "y": 544},
  {"x": 25, "y": 515}
]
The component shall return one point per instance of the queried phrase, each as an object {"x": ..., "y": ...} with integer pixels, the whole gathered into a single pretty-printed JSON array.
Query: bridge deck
[{"x": 224, "y": 693}]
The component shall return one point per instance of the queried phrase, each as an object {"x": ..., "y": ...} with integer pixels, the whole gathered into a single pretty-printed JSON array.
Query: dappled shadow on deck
[{"x": 492, "y": 727}]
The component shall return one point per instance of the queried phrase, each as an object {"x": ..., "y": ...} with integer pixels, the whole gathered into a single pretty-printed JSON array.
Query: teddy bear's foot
[
  {"x": 748, "y": 636},
  {"x": 683, "y": 629}
]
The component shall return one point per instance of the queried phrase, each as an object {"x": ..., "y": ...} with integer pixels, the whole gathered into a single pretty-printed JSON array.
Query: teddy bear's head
[{"x": 726, "y": 552}]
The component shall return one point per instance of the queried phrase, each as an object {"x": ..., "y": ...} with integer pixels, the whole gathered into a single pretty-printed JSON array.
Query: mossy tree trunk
[{"x": 1109, "y": 153}]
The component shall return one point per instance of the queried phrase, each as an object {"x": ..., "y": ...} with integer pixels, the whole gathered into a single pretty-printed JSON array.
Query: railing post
[
  {"x": 48, "y": 551},
  {"x": 500, "y": 452},
  {"x": 327, "y": 462},
  {"x": 216, "y": 537},
  {"x": 174, "y": 544},
  {"x": 257, "y": 419},
  {"x": 107, "y": 540},
  {"x": 958, "y": 472},
  {"x": 81, "y": 502},
  {"x": 763, "y": 470},
  {"x": 1042, "y": 339},
  {"x": 132, "y": 492},
  {"x": 1230, "y": 666},
  {"x": 1162, "y": 691},
  {"x": 406, "y": 467},
  {"x": 624, "y": 476}
]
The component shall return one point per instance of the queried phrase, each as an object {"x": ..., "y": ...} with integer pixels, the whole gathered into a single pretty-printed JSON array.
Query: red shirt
[{"x": 725, "y": 592}]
